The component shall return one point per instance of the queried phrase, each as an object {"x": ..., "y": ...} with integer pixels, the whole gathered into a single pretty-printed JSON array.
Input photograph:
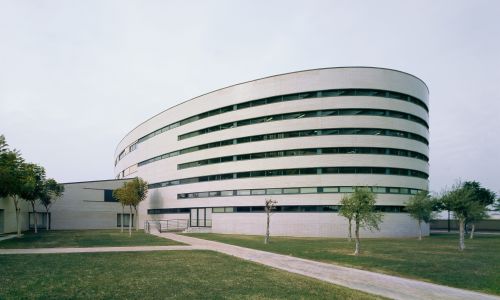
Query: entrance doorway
[
  {"x": 1, "y": 221},
  {"x": 200, "y": 217}
]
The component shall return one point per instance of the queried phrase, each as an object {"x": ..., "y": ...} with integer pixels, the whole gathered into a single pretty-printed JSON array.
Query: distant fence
[{"x": 484, "y": 225}]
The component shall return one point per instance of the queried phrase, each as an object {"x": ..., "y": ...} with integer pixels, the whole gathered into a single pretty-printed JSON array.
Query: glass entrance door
[{"x": 201, "y": 217}]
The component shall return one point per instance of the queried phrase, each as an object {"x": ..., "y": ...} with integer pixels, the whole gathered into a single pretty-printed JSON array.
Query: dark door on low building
[
  {"x": 1, "y": 221},
  {"x": 200, "y": 217}
]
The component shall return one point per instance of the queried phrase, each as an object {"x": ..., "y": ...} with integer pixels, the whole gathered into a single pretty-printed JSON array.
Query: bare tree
[{"x": 270, "y": 206}]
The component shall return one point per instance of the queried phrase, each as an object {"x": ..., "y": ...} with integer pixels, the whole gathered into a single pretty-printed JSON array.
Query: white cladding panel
[{"x": 396, "y": 224}]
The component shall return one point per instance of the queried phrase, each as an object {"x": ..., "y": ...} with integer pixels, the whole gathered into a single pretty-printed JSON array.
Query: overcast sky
[{"x": 76, "y": 76}]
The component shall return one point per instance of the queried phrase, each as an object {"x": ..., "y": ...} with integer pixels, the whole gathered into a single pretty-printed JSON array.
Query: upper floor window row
[
  {"x": 303, "y": 152},
  {"x": 307, "y": 114},
  {"x": 276, "y": 99},
  {"x": 291, "y": 134},
  {"x": 297, "y": 190},
  {"x": 295, "y": 172}
]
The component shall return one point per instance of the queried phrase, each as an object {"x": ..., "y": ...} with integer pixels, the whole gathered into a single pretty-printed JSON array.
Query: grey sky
[{"x": 76, "y": 76}]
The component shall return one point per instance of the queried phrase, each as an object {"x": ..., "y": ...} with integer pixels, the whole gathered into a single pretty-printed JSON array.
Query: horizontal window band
[
  {"x": 294, "y": 172},
  {"x": 307, "y": 114},
  {"x": 296, "y": 191},
  {"x": 291, "y": 134},
  {"x": 277, "y": 209},
  {"x": 276, "y": 99},
  {"x": 304, "y": 152}
]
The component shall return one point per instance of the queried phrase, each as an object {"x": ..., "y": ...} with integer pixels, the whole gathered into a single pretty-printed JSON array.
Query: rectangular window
[
  {"x": 229, "y": 209},
  {"x": 309, "y": 190},
  {"x": 330, "y": 190},
  {"x": 258, "y": 192},
  {"x": 243, "y": 192},
  {"x": 273, "y": 191},
  {"x": 217, "y": 209},
  {"x": 126, "y": 219},
  {"x": 226, "y": 193},
  {"x": 346, "y": 189},
  {"x": 291, "y": 191},
  {"x": 378, "y": 189},
  {"x": 108, "y": 196}
]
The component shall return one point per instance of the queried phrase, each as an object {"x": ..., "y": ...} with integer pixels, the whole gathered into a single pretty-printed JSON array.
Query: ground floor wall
[
  {"x": 311, "y": 225},
  {"x": 8, "y": 223}
]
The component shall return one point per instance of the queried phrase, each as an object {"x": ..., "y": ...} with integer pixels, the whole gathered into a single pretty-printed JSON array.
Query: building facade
[
  {"x": 83, "y": 205},
  {"x": 303, "y": 139}
]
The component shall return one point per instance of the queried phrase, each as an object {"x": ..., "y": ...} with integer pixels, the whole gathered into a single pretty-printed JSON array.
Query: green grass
[
  {"x": 84, "y": 238},
  {"x": 435, "y": 259},
  {"x": 155, "y": 275}
]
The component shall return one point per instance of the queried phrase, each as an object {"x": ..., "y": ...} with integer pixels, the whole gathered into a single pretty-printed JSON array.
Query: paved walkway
[
  {"x": 370, "y": 282},
  {"x": 97, "y": 249},
  {"x": 6, "y": 237}
]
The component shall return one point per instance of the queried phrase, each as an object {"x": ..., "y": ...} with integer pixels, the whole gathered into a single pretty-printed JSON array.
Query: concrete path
[
  {"x": 97, "y": 249},
  {"x": 7, "y": 237},
  {"x": 370, "y": 282}
]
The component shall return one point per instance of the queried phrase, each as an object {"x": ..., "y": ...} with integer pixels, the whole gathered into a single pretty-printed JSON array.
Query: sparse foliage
[
  {"x": 51, "y": 191},
  {"x": 420, "y": 208},
  {"x": 460, "y": 200},
  {"x": 131, "y": 194},
  {"x": 270, "y": 205},
  {"x": 483, "y": 197},
  {"x": 360, "y": 206}
]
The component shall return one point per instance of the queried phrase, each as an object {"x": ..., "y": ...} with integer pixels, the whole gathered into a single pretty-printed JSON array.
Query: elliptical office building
[{"x": 303, "y": 139}]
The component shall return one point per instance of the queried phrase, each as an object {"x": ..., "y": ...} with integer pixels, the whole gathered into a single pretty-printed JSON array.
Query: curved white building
[{"x": 303, "y": 139}]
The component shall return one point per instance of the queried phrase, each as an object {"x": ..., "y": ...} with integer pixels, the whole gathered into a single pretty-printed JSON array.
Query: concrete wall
[
  {"x": 311, "y": 224},
  {"x": 8, "y": 218},
  {"x": 82, "y": 206}
]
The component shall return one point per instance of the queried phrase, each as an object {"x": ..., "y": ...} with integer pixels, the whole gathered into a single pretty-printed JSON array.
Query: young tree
[
  {"x": 117, "y": 194},
  {"x": 361, "y": 206},
  {"x": 131, "y": 194},
  {"x": 270, "y": 205},
  {"x": 11, "y": 177},
  {"x": 123, "y": 195},
  {"x": 140, "y": 192},
  {"x": 460, "y": 200},
  {"x": 347, "y": 212},
  {"x": 51, "y": 191},
  {"x": 420, "y": 208},
  {"x": 484, "y": 198},
  {"x": 32, "y": 186}
]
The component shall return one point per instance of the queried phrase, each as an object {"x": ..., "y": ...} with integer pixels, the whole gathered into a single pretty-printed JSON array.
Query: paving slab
[{"x": 375, "y": 283}]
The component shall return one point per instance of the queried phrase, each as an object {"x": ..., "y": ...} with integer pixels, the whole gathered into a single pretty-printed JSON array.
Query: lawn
[
  {"x": 434, "y": 259},
  {"x": 84, "y": 238},
  {"x": 155, "y": 275}
]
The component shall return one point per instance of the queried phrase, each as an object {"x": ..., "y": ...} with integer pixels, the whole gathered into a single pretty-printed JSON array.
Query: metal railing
[{"x": 166, "y": 225}]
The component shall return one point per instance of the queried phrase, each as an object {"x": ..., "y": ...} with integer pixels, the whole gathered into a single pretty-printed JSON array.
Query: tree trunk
[
  {"x": 34, "y": 216},
  {"x": 48, "y": 219},
  {"x": 130, "y": 222},
  {"x": 419, "y": 230},
  {"x": 350, "y": 231},
  {"x": 266, "y": 240},
  {"x": 18, "y": 212},
  {"x": 136, "y": 219},
  {"x": 472, "y": 230},
  {"x": 123, "y": 212},
  {"x": 356, "y": 231},
  {"x": 461, "y": 245}
]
